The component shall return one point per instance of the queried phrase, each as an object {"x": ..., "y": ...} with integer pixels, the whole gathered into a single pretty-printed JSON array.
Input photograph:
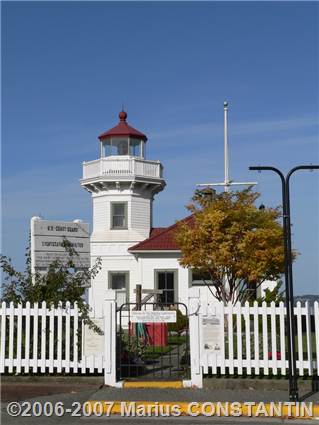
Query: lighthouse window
[
  {"x": 119, "y": 147},
  {"x": 107, "y": 148},
  {"x": 119, "y": 215},
  {"x": 135, "y": 147}
]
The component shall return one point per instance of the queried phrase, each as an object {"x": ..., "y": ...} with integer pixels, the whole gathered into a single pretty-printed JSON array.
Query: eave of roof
[{"x": 123, "y": 129}]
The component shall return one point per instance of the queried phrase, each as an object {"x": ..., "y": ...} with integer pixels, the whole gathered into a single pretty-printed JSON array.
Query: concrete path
[
  {"x": 188, "y": 394},
  {"x": 77, "y": 392}
]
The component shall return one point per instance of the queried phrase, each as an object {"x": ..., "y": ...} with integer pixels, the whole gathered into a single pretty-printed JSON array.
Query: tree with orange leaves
[{"x": 236, "y": 244}]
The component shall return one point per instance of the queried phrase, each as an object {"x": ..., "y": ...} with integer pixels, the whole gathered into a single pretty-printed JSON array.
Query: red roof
[
  {"x": 123, "y": 129},
  {"x": 161, "y": 239}
]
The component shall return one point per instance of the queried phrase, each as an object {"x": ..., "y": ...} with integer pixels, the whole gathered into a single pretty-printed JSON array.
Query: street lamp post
[{"x": 293, "y": 383}]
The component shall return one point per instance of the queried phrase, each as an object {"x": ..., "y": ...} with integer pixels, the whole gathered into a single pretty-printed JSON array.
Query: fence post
[
  {"x": 110, "y": 338},
  {"x": 195, "y": 337}
]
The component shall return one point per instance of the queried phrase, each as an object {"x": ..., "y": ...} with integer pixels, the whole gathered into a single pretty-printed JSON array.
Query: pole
[
  {"x": 226, "y": 159},
  {"x": 138, "y": 297},
  {"x": 294, "y": 389},
  {"x": 291, "y": 331},
  {"x": 291, "y": 371},
  {"x": 226, "y": 183}
]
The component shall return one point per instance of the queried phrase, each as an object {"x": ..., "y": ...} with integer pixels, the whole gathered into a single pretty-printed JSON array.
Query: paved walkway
[
  {"x": 188, "y": 394},
  {"x": 69, "y": 396}
]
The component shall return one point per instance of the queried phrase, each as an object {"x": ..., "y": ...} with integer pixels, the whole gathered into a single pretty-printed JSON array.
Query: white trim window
[
  {"x": 119, "y": 281},
  {"x": 199, "y": 278},
  {"x": 119, "y": 215},
  {"x": 166, "y": 280}
]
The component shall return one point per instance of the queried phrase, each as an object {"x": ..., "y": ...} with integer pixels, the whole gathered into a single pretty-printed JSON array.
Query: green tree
[
  {"x": 61, "y": 283},
  {"x": 276, "y": 295},
  {"x": 232, "y": 241}
]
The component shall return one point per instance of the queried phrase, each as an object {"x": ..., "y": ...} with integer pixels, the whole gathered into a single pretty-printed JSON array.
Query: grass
[
  {"x": 177, "y": 340},
  {"x": 153, "y": 352}
]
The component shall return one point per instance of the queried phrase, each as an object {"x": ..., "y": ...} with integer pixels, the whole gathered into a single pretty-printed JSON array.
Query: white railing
[
  {"x": 38, "y": 339},
  {"x": 118, "y": 166},
  {"x": 254, "y": 339},
  {"x": 251, "y": 339},
  {"x": 240, "y": 339}
]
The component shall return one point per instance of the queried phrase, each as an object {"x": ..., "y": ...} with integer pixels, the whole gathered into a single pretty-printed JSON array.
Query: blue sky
[{"x": 67, "y": 68}]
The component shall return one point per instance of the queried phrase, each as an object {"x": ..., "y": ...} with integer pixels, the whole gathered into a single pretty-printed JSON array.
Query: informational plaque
[
  {"x": 212, "y": 333},
  {"x": 93, "y": 343},
  {"x": 48, "y": 242},
  {"x": 155, "y": 316}
]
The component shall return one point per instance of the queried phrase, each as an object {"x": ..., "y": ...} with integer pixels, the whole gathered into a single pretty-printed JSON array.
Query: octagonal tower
[{"x": 123, "y": 184}]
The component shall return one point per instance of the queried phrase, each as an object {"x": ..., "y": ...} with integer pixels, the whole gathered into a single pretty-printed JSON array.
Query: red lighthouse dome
[{"x": 123, "y": 129}]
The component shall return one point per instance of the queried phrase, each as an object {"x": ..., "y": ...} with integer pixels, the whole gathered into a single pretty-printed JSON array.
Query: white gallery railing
[{"x": 118, "y": 166}]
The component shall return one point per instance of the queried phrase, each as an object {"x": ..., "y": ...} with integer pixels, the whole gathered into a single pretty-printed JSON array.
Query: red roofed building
[{"x": 161, "y": 239}]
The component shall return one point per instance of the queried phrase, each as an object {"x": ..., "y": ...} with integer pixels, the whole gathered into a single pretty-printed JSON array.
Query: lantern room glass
[
  {"x": 121, "y": 146},
  {"x": 135, "y": 147}
]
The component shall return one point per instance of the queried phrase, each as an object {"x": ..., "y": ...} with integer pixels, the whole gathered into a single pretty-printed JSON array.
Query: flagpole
[
  {"x": 227, "y": 183},
  {"x": 226, "y": 161}
]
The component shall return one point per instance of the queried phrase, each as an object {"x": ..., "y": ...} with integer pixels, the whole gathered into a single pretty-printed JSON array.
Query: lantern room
[{"x": 123, "y": 140}]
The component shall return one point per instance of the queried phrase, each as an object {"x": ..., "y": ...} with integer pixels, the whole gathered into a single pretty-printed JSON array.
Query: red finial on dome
[{"x": 122, "y": 115}]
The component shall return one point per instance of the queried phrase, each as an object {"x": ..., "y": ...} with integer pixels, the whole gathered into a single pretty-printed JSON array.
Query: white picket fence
[
  {"x": 252, "y": 339},
  {"x": 248, "y": 339},
  {"x": 39, "y": 339}
]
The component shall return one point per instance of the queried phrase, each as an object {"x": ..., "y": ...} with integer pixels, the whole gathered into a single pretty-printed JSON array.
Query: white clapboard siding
[
  {"x": 40, "y": 338},
  {"x": 254, "y": 340}
]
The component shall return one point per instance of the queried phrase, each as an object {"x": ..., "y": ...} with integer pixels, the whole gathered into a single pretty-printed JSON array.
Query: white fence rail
[
  {"x": 241, "y": 339},
  {"x": 41, "y": 339},
  {"x": 251, "y": 339}
]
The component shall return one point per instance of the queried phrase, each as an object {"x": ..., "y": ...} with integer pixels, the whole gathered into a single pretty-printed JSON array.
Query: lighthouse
[{"x": 122, "y": 183}]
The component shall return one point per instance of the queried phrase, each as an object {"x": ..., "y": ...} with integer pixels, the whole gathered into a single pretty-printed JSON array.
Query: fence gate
[{"x": 152, "y": 343}]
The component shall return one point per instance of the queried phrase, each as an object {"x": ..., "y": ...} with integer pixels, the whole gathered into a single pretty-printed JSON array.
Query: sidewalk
[{"x": 190, "y": 395}]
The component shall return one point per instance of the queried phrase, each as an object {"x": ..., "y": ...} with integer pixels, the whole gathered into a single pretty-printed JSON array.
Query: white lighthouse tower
[{"x": 123, "y": 184}]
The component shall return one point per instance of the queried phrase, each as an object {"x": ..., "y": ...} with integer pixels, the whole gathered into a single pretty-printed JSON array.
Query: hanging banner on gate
[
  {"x": 155, "y": 316},
  {"x": 47, "y": 242}
]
